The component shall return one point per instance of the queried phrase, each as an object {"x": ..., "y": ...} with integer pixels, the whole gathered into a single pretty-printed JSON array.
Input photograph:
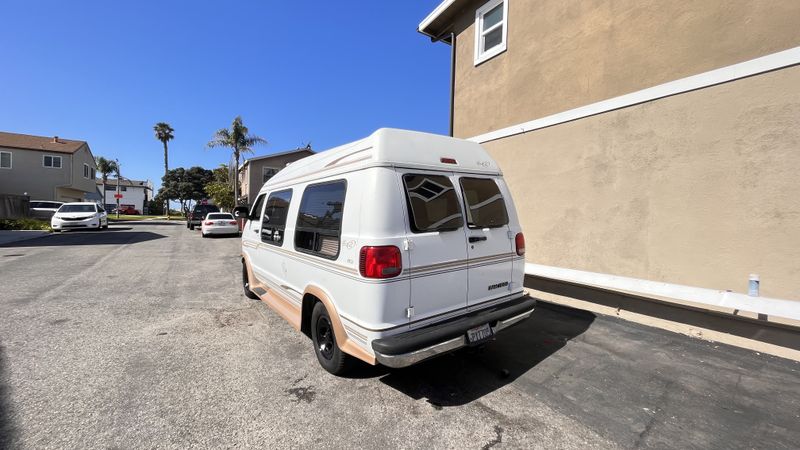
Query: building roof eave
[{"x": 436, "y": 23}]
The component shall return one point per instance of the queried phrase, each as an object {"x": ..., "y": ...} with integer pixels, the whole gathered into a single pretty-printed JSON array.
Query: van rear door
[
  {"x": 489, "y": 243},
  {"x": 437, "y": 245}
]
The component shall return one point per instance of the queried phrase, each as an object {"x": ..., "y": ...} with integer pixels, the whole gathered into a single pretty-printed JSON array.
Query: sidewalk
[{"x": 8, "y": 236}]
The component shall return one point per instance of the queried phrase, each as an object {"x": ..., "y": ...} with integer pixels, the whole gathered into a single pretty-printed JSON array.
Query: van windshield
[
  {"x": 485, "y": 205},
  {"x": 432, "y": 203}
]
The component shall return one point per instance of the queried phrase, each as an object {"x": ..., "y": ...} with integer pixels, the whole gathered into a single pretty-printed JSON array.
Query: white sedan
[
  {"x": 219, "y": 223},
  {"x": 72, "y": 216}
]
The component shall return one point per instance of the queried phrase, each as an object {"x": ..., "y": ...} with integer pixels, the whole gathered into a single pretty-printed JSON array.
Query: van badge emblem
[
  {"x": 350, "y": 244},
  {"x": 498, "y": 285}
]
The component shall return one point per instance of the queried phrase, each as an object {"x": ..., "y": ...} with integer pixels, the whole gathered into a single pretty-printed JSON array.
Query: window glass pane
[
  {"x": 269, "y": 173},
  {"x": 76, "y": 209},
  {"x": 5, "y": 160},
  {"x": 256, "y": 211},
  {"x": 319, "y": 221},
  {"x": 220, "y": 216},
  {"x": 48, "y": 161},
  {"x": 493, "y": 17},
  {"x": 493, "y": 38},
  {"x": 273, "y": 223},
  {"x": 432, "y": 203},
  {"x": 485, "y": 205},
  {"x": 56, "y": 161}
]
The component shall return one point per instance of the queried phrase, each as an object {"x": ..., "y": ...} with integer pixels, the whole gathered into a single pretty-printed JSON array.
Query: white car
[
  {"x": 219, "y": 223},
  {"x": 391, "y": 250},
  {"x": 72, "y": 216},
  {"x": 43, "y": 209}
]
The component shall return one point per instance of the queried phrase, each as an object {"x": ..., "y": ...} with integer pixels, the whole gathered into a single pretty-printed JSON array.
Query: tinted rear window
[
  {"x": 485, "y": 205},
  {"x": 220, "y": 216},
  {"x": 205, "y": 209},
  {"x": 432, "y": 203},
  {"x": 319, "y": 221}
]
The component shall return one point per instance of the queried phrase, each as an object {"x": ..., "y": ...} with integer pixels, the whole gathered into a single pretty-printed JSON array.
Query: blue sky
[{"x": 297, "y": 72}]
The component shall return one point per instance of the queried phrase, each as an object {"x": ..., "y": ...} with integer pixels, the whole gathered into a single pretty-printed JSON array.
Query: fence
[{"x": 14, "y": 206}]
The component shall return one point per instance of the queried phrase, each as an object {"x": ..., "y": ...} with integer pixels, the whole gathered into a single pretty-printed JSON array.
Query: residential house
[
  {"x": 135, "y": 193},
  {"x": 46, "y": 168},
  {"x": 653, "y": 140},
  {"x": 254, "y": 172}
]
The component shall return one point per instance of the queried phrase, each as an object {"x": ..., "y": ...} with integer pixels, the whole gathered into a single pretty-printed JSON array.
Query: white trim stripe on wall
[
  {"x": 745, "y": 69},
  {"x": 787, "y": 309}
]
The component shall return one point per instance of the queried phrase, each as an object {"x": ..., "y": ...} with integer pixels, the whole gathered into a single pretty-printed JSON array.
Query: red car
[{"x": 129, "y": 210}]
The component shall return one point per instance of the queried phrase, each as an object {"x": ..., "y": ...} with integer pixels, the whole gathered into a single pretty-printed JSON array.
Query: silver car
[{"x": 43, "y": 209}]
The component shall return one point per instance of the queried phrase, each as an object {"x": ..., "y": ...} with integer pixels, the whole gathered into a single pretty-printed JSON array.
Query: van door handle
[{"x": 477, "y": 238}]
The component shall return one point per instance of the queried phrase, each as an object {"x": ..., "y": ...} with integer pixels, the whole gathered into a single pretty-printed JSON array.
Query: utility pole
[{"x": 119, "y": 175}]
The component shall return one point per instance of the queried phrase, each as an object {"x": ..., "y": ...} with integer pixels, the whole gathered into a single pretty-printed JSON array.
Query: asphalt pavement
[{"x": 140, "y": 337}]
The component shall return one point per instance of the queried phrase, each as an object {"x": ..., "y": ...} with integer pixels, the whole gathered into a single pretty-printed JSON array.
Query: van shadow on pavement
[
  {"x": 461, "y": 377},
  {"x": 112, "y": 236}
]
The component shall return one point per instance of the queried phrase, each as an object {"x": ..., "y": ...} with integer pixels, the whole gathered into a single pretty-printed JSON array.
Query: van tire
[
  {"x": 329, "y": 355},
  {"x": 191, "y": 226},
  {"x": 246, "y": 284}
]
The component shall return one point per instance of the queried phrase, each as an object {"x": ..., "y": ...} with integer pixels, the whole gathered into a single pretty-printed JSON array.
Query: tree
[
  {"x": 238, "y": 139},
  {"x": 164, "y": 133},
  {"x": 105, "y": 167},
  {"x": 220, "y": 190},
  {"x": 184, "y": 185}
]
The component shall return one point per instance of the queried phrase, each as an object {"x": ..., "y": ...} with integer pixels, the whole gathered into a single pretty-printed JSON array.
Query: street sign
[{"x": 117, "y": 195}]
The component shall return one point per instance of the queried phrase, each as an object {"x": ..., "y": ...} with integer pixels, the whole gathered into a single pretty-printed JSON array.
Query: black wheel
[
  {"x": 330, "y": 356},
  {"x": 191, "y": 226},
  {"x": 246, "y": 284},
  {"x": 203, "y": 234}
]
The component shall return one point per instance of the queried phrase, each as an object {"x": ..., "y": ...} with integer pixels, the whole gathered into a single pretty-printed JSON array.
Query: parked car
[
  {"x": 79, "y": 215},
  {"x": 391, "y": 250},
  {"x": 43, "y": 209},
  {"x": 128, "y": 210},
  {"x": 219, "y": 223},
  {"x": 198, "y": 213}
]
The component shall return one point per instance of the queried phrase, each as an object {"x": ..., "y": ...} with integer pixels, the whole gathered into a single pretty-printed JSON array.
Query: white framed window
[
  {"x": 491, "y": 30},
  {"x": 86, "y": 171},
  {"x": 269, "y": 172},
  {"x": 51, "y": 161},
  {"x": 5, "y": 160}
]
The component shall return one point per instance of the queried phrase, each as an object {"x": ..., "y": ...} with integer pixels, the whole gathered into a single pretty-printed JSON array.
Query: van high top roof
[{"x": 389, "y": 147}]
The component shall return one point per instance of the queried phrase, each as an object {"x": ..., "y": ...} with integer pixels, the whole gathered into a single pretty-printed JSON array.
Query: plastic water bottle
[{"x": 752, "y": 285}]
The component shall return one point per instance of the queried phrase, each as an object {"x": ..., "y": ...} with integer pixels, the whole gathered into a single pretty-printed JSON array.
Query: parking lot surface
[{"x": 140, "y": 337}]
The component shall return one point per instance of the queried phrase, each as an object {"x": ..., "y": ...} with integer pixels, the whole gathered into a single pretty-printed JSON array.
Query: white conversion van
[{"x": 391, "y": 249}]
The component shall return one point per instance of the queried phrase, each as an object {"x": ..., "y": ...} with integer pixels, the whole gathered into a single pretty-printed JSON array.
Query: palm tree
[
  {"x": 239, "y": 139},
  {"x": 105, "y": 167},
  {"x": 164, "y": 133}
]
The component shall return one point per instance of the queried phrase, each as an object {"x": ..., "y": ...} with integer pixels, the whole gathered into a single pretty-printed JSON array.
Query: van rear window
[
  {"x": 485, "y": 205},
  {"x": 319, "y": 221},
  {"x": 432, "y": 203}
]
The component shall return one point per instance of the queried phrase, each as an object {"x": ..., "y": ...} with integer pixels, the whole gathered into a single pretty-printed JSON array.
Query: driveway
[{"x": 140, "y": 337}]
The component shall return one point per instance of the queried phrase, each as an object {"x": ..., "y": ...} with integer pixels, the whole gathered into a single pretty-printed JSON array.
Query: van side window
[
  {"x": 273, "y": 224},
  {"x": 484, "y": 203},
  {"x": 432, "y": 203},
  {"x": 319, "y": 222},
  {"x": 256, "y": 211}
]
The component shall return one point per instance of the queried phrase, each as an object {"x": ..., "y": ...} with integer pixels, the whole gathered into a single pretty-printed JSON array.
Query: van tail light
[
  {"x": 209, "y": 223},
  {"x": 519, "y": 240},
  {"x": 380, "y": 262}
]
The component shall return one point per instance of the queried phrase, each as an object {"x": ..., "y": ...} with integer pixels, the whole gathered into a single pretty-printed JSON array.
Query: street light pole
[{"x": 119, "y": 175}]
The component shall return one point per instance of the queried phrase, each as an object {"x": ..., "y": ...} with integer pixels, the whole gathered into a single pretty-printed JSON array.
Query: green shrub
[{"x": 25, "y": 224}]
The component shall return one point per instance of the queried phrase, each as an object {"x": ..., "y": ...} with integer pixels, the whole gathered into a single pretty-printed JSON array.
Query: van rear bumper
[{"x": 409, "y": 348}]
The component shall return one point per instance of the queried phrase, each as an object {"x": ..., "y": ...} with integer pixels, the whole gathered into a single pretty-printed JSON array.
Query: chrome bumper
[{"x": 411, "y": 358}]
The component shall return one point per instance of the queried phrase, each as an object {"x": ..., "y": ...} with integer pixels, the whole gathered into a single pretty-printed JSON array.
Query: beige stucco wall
[
  {"x": 701, "y": 188},
  {"x": 566, "y": 54}
]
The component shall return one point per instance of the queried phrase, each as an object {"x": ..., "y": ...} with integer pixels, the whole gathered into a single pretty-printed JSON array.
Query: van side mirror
[{"x": 241, "y": 211}]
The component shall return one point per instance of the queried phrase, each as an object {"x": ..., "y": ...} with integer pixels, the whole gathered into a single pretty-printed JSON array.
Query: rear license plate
[{"x": 479, "y": 334}]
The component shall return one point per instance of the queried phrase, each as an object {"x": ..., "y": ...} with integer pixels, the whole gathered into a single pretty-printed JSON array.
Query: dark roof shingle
[{"x": 40, "y": 143}]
